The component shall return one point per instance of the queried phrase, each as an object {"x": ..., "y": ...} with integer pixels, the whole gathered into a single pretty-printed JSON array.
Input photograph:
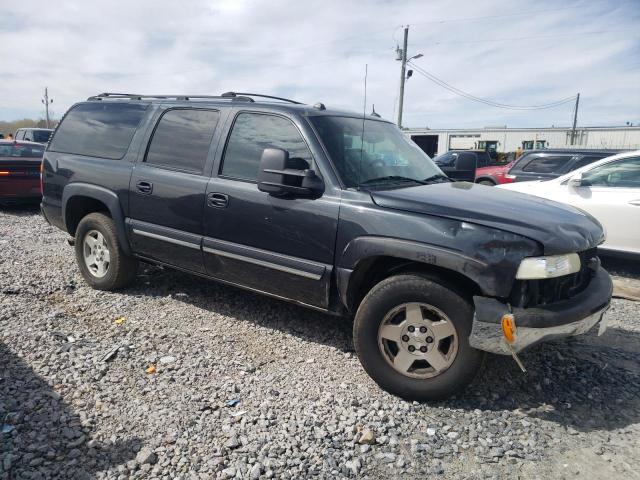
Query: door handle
[
  {"x": 635, "y": 203},
  {"x": 144, "y": 187},
  {"x": 217, "y": 200}
]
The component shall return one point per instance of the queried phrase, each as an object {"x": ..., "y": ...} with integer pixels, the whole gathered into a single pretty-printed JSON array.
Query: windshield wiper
[
  {"x": 435, "y": 178},
  {"x": 391, "y": 179}
]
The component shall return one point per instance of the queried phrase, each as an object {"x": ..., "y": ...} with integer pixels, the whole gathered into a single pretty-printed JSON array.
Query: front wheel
[{"x": 411, "y": 335}]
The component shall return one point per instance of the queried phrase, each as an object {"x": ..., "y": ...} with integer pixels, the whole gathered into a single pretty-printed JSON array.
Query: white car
[{"x": 608, "y": 189}]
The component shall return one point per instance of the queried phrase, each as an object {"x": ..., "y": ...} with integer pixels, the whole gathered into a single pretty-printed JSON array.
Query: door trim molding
[
  {"x": 264, "y": 258},
  {"x": 165, "y": 234}
]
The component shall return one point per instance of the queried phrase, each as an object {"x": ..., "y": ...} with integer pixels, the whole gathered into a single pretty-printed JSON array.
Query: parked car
[
  {"x": 332, "y": 211},
  {"x": 38, "y": 135},
  {"x": 20, "y": 171},
  {"x": 461, "y": 164},
  {"x": 552, "y": 163},
  {"x": 608, "y": 189},
  {"x": 494, "y": 174}
]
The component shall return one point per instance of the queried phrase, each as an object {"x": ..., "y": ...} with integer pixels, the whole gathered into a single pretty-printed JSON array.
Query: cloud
[{"x": 522, "y": 53}]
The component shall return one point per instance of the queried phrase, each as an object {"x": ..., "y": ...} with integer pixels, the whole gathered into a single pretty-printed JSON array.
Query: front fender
[
  {"x": 490, "y": 257},
  {"x": 108, "y": 198}
]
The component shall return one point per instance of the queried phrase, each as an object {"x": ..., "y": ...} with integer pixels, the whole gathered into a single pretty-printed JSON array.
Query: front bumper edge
[{"x": 566, "y": 318}]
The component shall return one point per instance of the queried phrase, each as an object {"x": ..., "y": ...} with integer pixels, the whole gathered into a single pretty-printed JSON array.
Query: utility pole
[
  {"x": 402, "y": 75},
  {"x": 575, "y": 120},
  {"x": 46, "y": 102}
]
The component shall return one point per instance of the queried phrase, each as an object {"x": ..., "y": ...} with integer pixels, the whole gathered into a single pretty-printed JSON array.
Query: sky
[{"x": 520, "y": 53}]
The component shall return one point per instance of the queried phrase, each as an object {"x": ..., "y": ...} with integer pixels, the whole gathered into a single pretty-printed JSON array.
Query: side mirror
[
  {"x": 575, "y": 181},
  {"x": 281, "y": 176}
]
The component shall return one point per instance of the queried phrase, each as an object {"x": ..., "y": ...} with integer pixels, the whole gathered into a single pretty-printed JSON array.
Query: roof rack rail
[{"x": 233, "y": 96}]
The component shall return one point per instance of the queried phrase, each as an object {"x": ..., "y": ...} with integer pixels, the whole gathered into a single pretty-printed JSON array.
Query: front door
[
  {"x": 611, "y": 193},
  {"x": 282, "y": 246},
  {"x": 167, "y": 188}
]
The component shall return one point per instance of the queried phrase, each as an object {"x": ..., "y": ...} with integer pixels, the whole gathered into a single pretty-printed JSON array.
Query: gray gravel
[{"x": 249, "y": 387}]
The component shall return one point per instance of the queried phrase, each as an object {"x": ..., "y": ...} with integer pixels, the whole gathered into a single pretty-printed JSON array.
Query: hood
[
  {"x": 559, "y": 228},
  {"x": 525, "y": 187}
]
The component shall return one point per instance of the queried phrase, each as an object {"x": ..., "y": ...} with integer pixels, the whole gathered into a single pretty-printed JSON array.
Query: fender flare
[
  {"x": 104, "y": 195},
  {"x": 367, "y": 247}
]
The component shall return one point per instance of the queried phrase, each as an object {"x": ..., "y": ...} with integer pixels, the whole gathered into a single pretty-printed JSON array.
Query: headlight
[{"x": 532, "y": 268}]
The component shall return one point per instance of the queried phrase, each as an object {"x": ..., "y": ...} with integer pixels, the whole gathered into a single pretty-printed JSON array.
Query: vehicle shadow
[
  {"x": 40, "y": 434},
  {"x": 585, "y": 382}
]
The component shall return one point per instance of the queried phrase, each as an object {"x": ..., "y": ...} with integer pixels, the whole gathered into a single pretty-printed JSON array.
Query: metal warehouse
[{"x": 503, "y": 139}]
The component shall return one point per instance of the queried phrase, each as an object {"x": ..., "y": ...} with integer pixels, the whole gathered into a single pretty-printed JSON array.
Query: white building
[{"x": 503, "y": 139}]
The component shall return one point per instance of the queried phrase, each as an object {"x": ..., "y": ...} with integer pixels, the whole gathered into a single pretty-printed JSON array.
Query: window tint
[
  {"x": 546, "y": 164},
  {"x": 182, "y": 139},
  {"x": 98, "y": 129},
  {"x": 446, "y": 160},
  {"x": 622, "y": 174},
  {"x": 585, "y": 161},
  {"x": 251, "y": 134},
  {"x": 41, "y": 135}
]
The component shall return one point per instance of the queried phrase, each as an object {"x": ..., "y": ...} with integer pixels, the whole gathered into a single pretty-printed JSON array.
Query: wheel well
[
  {"x": 78, "y": 207},
  {"x": 488, "y": 179},
  {"x": 373, "y": 270}
]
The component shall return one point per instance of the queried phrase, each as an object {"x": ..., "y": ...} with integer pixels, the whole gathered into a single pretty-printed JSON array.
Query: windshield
[
  {"x": 385, "y": 157},
  {"x": 21, "y": 150}
]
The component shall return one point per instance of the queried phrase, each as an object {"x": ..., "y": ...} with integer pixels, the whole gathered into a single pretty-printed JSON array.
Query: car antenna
[{"x": 364, "y": 115}]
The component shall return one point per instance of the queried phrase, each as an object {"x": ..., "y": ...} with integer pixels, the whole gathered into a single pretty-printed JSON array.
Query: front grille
[{"x": 533, "y": 293}]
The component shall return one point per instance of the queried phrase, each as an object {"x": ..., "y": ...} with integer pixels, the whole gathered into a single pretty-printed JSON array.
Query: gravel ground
[{"x": 249, "y": 387}]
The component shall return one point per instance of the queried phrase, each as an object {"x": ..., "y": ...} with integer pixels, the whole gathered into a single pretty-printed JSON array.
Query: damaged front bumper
[{"x": 566, "y": 318}]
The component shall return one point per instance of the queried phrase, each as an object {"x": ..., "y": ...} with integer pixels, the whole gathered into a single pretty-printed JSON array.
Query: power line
[{"x": 485, "y": 101}]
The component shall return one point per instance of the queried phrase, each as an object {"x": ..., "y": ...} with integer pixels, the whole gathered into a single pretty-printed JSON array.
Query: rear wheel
[
  {"x": 411, "y": 334},
  {"x": 102, "y": 262}
]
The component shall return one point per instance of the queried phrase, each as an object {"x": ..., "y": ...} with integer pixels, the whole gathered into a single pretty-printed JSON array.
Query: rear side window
[
  {"x": 586, "y": 161},
  {"x": 41, "y": 135},
  {"x": 251, "y": 134},
  {"x": 182, "y": 139},
  {"x": 546, "y": 164},
  {"x": 98, "y": 129}
]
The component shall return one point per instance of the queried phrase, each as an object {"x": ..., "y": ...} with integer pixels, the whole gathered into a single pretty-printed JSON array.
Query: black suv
[
  {"x": 329, "y": 210},
  {"x": 553, "y": 163}
]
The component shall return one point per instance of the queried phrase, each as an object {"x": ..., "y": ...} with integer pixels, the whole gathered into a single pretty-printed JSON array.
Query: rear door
[
  {"x": 280, "y": 245},
  {"x": 167, "y": 188}
]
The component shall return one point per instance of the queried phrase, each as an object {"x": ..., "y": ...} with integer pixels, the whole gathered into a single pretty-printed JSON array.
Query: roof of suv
[
  {"x": 35, "y": 128},
  {"x": 235, "y": 98},
  {"x": 572, "y": 150}
]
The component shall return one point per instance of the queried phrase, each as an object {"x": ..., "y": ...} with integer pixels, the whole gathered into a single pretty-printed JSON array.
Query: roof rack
[{"x": 233, "y": 96}]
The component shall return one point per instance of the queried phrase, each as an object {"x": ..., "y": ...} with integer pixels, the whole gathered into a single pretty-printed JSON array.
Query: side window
[
  {"x": 98, "y": 129},
  {"x": 251, "y": 134},
  {"x": 546, "y": 164},
  {"x": 586, "y": 160},
  {"x": 182, "y": 139},
  {"x": 447, "y": 160},
  {"x": 621, "y": 174},
  {"x": 19, "y": 135}
]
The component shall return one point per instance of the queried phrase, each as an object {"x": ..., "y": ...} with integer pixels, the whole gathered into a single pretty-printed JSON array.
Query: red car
[
  {"x": 20, "y": 171},
  {"x": 494, "y": 174}
]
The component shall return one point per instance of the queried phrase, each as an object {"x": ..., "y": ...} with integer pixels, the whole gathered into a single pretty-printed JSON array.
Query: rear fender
[{"x": 108, "y": 198}]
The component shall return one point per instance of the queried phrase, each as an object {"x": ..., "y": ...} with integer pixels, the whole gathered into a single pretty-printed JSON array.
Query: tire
[
  {"x": 488, "y": 183},
  {"x": 422, "y": 382},
  {"x": 120, "y": 269}
]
